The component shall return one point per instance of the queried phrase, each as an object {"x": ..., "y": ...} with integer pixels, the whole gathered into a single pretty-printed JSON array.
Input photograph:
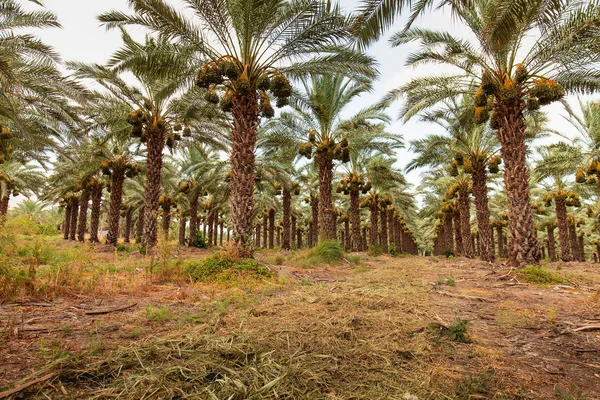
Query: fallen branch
[
  {"x": 587, "y": 328},
  {"x": 109, "y": 310},
  {"x": 24, "y": 386}
]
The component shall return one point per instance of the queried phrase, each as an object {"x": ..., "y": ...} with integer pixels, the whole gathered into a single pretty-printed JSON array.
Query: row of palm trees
[{"x": 208, "y": 77}]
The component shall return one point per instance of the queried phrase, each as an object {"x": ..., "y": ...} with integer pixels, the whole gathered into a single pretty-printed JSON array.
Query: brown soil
[{"x": 378, "y": 322}]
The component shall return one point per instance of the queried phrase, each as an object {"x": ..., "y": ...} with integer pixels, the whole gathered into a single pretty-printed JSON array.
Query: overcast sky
[{"x": 83, "y": 39}]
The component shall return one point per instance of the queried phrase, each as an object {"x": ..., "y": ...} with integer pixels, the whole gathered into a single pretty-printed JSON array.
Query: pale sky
[{"x": 83, "y": 39}]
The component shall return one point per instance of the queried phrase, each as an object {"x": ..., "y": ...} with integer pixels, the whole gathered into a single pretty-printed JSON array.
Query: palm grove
[{"x": 230, "y": 124}]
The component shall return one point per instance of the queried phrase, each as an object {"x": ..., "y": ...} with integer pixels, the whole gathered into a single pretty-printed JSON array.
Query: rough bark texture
[
  {"x": 221, "y": 231},
  {"x": 465, "y": 222},
  {"x": 581, "y": 248},
  {"x": 293, "y": 228},
  {"x": 216, "y": 228},
  {"x": 500, "y": 241},
  {"x": 551, "y": 243},
  {"x": 563, "y": 228},
  {"x": 271, "y": 228},
  {"x": 74, "y": 215},
  {"x": 511, "y": 133},
  {"x": 326, "y": 228},
  {"x": 573, "y": 241},
  {"x": 364, "y": 239},
  {"x": 314, "y": 206},
  {"x": 211, "y": 226},
  {"x": 278, "y": 237},
  {"x": 154, "y": 161},
  {"x": 114, "y": 213},
  {"x": 258, "y": 233},
  {"x": 193, "y": 220},
  {"x": 128, "y": 224},
  {"x": 374, "y": 225},
  {"x": 347, "y": 236},
  {"x": 355, "y": 219},
  {"x": 4, "y": 205},
  {"x": 299, "y": 240},
  {"x": 166, "y": 222},
  {"x": 287, "y": 207},
  {"x": 458, "y": 245},
  {"x": 243, "y": 170},
  {"x": 95, "y": 216},
  {"x": 480, "y": 192},
  {"x": 83, "y": 209},
  {"x": 67, "y": 223},
  {"x": 182, "y": 224},
  {"x": 265, "y": 225},
  {"x": 384, "y": 231},
  {"x": 446, "y": 235},
  {"x": 140, "y": 224}
]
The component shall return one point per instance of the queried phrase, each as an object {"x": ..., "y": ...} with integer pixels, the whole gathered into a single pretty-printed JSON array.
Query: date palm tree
[
  {"x": 369, "y": 146},
  {"x": 17, "y": 178},
  {"x": 318, "y": 115},
  {"x": 525, "y": 55},
  {"x": 251, "y": 49},
  {"x": 161, "y": 71}
]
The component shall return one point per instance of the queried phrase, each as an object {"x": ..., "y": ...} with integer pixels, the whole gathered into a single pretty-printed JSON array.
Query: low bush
[
  {"x": 539, "y": 275},
  {"x": 375, "y": 251},
  {"x": 223, "y": 267},
  {"x": 200, "y": 241}
]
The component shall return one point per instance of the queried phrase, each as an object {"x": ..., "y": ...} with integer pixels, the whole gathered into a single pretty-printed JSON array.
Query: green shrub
[
  {"x": 482, "y": 384},
  {"x": 124, "y": 248},
  {"x": 539, "y": 275},
  {"x": 200, "y": 241},
  {"x": 392, "y": 250},
  {"x": 354, "y": 260},
  {"x": 457, "y": 332},
  {"x": 330, "y": 251},
  {"x": 159, "y": 314},
  {"x": 375, "y": 250},
  {"x": 448, "y": 253},
  {"x": 223, "y": 267}
]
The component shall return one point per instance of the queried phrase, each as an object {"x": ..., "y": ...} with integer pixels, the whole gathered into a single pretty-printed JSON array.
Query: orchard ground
[{"x": 368, "y": 327}]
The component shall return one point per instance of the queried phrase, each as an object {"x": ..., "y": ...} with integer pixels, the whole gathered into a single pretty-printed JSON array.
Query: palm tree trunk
[
  {"x": 384, "y": 231},
  {"x": 374, "y": 217},
  {"x": 221, "y": 231},
  {"x": 67, "y": 223},
  {"x": 278, "y": 242},
  {"x": 480, "y": 192},
  {"x": 140, "y": 225},
  {"x": 347, "y": 241},
  {"x": 299, "y": 242},
  {"x": 364, "y": 239},
  {"x": 271, "y": 228},
  {"x": 390, "y": 226},
  {"x": 293, "y": 228},
  {"x": 74, "y": 215},
  {"x": 166, "y": 221},
  {"x": 573, "y": 240},
  {"x": 465, "y": 222},
  {"x": 4, "y": 205},
  {"x": 581, "y": 248},
  {"x": 116, "y": 197},
  {"x": 193, "y": 220},
  {"x": 258, "y": 232},
  {"x": 501, "y": 250},
  {"x": 551, "y": 243},
  {"x": 243, "y": 171},
  {"x": 326, "y": 229},
  {"x": 211, "y": 226},
  {"x": 287, "y": 206},
  {"x": 128, "y": 224},
  {"x": 83, "y": 209},
  {"x": 314, "y": 227},
  {"x": 154, "y": 161},
  {"x": 355, "y": 219},
  {"x": 563, "y": 228},
  {"x": 511, "y": 133},
  {"x": 95, "y": 216},
  {"x": 216, "y": 228},
  {"x": 182, "y": 224},
  {"x": 457, "y": 234},
  {"x": 447, "y": 239},
  {"x": 265, "y": 225}
]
